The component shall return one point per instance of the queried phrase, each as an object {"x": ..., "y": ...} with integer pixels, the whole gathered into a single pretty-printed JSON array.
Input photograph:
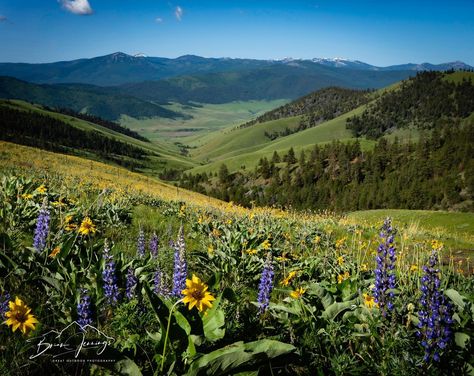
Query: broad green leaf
[
  {"x": 239, "y": 357},
  {"x": 456, "y": 297},
  {"x": 331, "y": 312},
  {"x": 214, "y": 321},
  {"x": 461, "y": 339}
]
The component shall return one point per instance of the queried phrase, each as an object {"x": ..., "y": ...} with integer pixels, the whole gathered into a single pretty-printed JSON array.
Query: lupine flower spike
[
  {"x": 435, "y": 315},
  {"x": 384, "y": 272},
  {"x": 4, "y": 299},
  {"x": 180, "y": 270},
  {"x": 141, "y": 244},
  {"x": 131, "y": 284},
  {"x": 154, "y": 245},
  {"x": 42, "y": 227},
  {"x": 84, "y": 311},
  {"x": 266, "y": 285},
  {"x": 109, "y": 277}
]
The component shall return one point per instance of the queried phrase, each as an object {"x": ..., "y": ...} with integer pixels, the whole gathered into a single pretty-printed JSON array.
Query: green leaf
[
  {"x": 331, "y": 312},
  {"x": 461, "y": 339},
  {"x": 239, "y": 357},
  {"x": 456, "y": 297},
  {"x": 214, "y": 321}
]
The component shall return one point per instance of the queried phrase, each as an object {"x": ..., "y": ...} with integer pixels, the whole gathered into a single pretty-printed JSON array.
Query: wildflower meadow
[{"x": 101, "y": 280}]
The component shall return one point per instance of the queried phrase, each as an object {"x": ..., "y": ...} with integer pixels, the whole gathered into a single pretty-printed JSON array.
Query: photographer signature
[{"x": 59, "y": 344}]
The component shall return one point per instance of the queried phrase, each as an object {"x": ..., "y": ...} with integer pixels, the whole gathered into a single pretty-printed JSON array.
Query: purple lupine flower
[
  {"x": 42, "y": 227},
  {"x": 266, "y": 285},
  {"x": 4, "y": 299},
  {"x": 435, "y": 316},
  {"x": 84, "y": 311},
  {"x": 159, "y": 287},
  {"x": 384, "y": 272},
  {"x": 131, "y": 284},
  {"x": 180, "y": 270},
  {"x": 141, "y": 243},
  {"x": 109, "y": 278},
  {"x": 154, "y": 245}
]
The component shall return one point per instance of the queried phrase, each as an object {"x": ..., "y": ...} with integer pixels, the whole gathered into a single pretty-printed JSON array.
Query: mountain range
[{"x": 120, "y": 68}]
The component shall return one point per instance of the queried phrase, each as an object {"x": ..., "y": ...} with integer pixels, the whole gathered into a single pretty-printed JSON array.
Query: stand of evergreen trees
[
  {"x": 435, "y": 173},
  {"x": 425, "y": 101}
]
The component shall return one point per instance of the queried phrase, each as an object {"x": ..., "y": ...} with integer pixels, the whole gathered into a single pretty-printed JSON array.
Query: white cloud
[
  {"x": 80, "y": 7},
  {"x": 158, "y": 20},
  {"x": 3, "y": 18},
  {"x": 178, "y": 13}
]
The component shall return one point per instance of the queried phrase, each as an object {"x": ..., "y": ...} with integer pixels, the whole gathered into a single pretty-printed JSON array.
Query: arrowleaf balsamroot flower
[
  {"x": 196, "y": 294},
  {"x": 42, "y": 227},
  {"x": 298, "y": 293},
  {"x": 384, "y": 272},
  {"x": 20, "y": 317},
  {"x": 266, "y": 285},
  {"x": 87, "y": 227}
]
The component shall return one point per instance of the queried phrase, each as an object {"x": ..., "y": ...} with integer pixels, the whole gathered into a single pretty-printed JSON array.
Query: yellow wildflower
[
  {"x": 54, "y": 252},
  {"x": 196, "y": 294},
  {"x": 216, "y": 233},
  {"x": 317, "y": 239},
  {"x": 364, "y": 267},
  {"x": 26, "y": 196},
  {"x": 340, "y": 242},
  {"x": 87, "y": 227},
  {"x": 286, "y": 281},
  {"x": 41, "y": 189},
  {"x": 342, "y": 277},
  {"x": 266, "y": 245},
  {"x": 369, "y": 301},
  {"x": 251, "y": 251},
  {"x": 20, "y": 317},
  {"x": 340, "y": 260},
  {"x": 413, "y": 268},
  {"x": 298, "y": 293},
  {"x": 436, "y": 245}
]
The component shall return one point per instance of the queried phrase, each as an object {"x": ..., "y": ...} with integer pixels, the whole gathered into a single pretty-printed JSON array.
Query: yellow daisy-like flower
[
  {"x": 54, "y": 252},
  {"x": 340, "y": 260},
  {"x": 286, "y": 281},
  {"x": 196, "y": 294},
  {"x": 26, "y": 196},
  {"x": 298, "y": 293},
  {"x": 251, "y": 251},
  {"x": 41, "y": 189},
  {"x": 342, "y": 277},
  {"x": 364, "y": 267},
  {"x": 369, "y": 301},
  {"x": 87, "y": 227},
  {"x": 413, "y": 268},
  {"x": 216, "y": 233},
  {"x": 340, "y": 242},
  {"x": 436, "y": 245},
  {"x": 317, "y": 239},
  {"x": 20, "y": 317},
  {"x": 266, "y": 245}
]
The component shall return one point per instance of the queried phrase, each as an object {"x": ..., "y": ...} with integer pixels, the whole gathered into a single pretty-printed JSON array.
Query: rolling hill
[
  {"x": 32, "y": 125},
  {"x": 82, "y": 98}
]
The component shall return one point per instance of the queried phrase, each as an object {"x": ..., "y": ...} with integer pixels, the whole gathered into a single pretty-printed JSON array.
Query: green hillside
[
  {"x": 146, "y": 156},
  {"x": 82, "y": 98}
]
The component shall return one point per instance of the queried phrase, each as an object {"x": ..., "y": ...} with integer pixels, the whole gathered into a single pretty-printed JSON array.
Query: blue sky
[{"x": 378, "y": 32}]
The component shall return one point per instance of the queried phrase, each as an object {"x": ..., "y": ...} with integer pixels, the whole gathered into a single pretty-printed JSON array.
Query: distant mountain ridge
[{"x": 120, "y": 68}]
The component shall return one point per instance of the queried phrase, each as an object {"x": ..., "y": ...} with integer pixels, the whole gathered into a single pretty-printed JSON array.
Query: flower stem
[{"x": 167, "y": 333}]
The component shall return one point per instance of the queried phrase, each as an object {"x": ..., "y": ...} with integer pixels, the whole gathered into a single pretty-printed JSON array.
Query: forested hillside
[
  {"x": 46, "y": 132},
  {"x": 425, "y": 101},
  {"x": 435, "y": 173}
]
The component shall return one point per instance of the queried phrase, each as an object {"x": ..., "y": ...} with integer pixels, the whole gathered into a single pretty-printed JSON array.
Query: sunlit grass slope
[
  {"x": 165, "y": 154},
  {"x": 202, "y": 119},
  {"x": 456, "y": 228}
]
